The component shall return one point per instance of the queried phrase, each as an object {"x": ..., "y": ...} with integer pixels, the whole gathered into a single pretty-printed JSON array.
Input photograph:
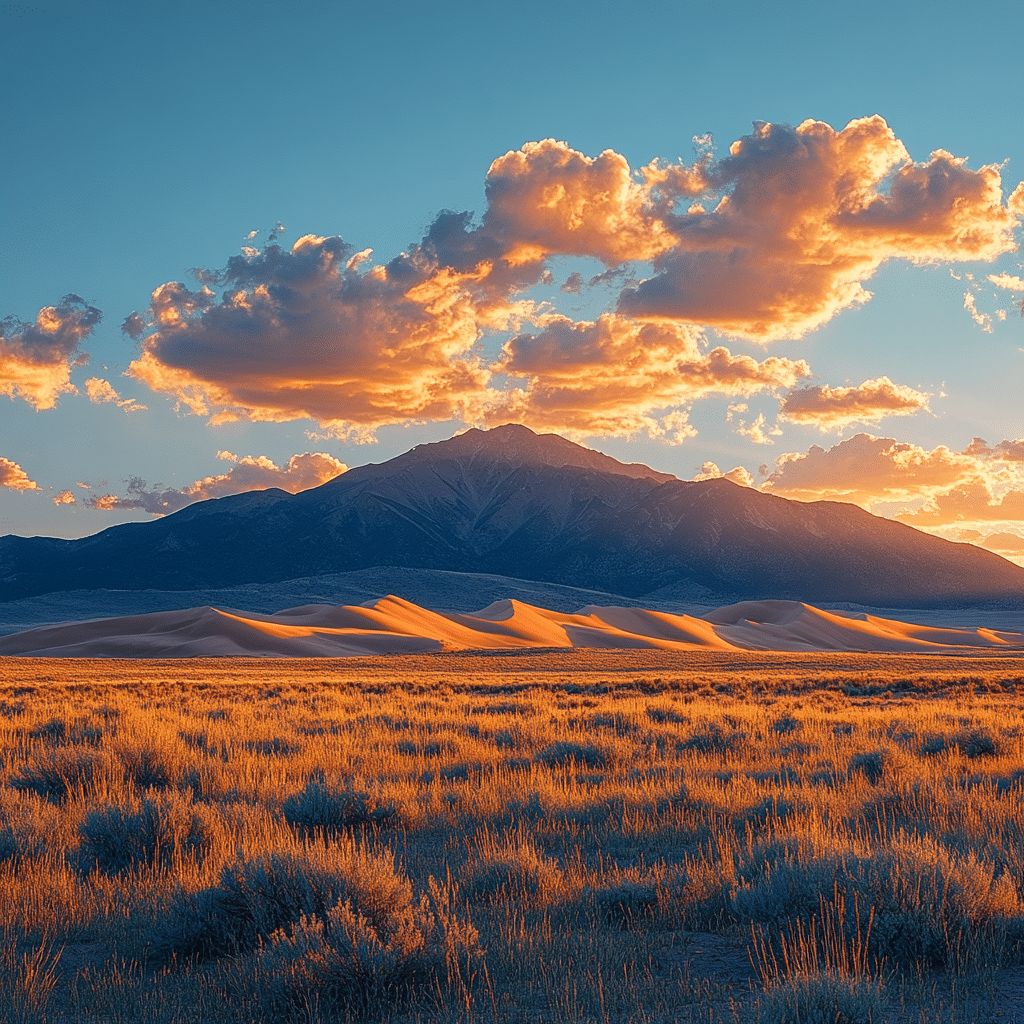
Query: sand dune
[{"x": 394, "y": 626}]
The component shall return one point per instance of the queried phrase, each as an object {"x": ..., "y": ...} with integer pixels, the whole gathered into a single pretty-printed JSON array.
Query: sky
[{"x": 251, "y": 245}]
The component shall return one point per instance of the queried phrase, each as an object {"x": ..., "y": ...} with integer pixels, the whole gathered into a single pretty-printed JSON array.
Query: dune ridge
[{"x": 392, "y": 625}]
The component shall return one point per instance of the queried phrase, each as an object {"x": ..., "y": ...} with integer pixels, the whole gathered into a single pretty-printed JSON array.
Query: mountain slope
[{"x": 512, "y": 503}]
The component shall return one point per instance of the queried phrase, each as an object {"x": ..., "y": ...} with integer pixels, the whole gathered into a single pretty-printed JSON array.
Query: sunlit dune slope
[
  {"x": 394, "y": 626},
  {"x": 793, "y": 626}
]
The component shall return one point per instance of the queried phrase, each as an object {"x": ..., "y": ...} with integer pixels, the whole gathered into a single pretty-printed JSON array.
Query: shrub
[
  {"x": 821, "y": 999},
  {"x": 360, "y": 965},
  {"x": 59, "y": 771},
  {"x": 155, "y": 830},
  {"x": 713, "y": 741},
  {"x": 510, "y": 868},
  {"x": 563, "y": 752},
  {"x": 628, "y": 902},
  {"x": 977, "y": 743},
  {"x": 257, "y": 897},
  {"x": 330, "y": 809},
  {"x": 876, "y": 765}
]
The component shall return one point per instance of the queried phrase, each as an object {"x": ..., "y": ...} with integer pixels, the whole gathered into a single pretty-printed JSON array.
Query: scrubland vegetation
[{"x": 610, "y": 836}]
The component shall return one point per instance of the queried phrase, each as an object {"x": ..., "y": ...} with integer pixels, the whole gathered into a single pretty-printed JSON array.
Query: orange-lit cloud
[
  {"x": 769, "y": 242},
  {"x": 1007, "y": 281},
  {"x": 63, "y": 498},
  {"x": 866, "y": 470},
  {"x": 14, "y": 477},
  {"x": 739, "y": 475},
  {"x": 246, "y": 474},
  {"x": 305, "y": 334},
  {"x": 36, "y": 359},
  {"x": 829, "y": 408},
  {"x": 616, "y": 376},
  {"x": 967, "y": 490},
  {"x": 1016, "y": 200},
  {"x": 970, "y": 503},
  {"x": 804, "y": 216},
  {"x": 100, "y": 391}
]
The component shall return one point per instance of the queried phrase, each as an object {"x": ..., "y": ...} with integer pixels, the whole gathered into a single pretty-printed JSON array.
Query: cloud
[
  {"x": 246, "y": 474},
  {"x": 866, "y": 470},
  {"x": 64, "y": 498},
  {"x": 829, "y": 408},
  {"x": 14, "y": 477},
  {"x": 1007, "y": 281},
  {"x": 1016, "y": 200},
  {"x": 756, "y": 431},
  {"x": 970, "y": 503},
  {"x": 709, "y": 471},
  {"x": 100, "y": 391},
  {"x": 573, "y": 284},
  {"x": 612, "y": 376},
  {"x": 805, "y": 216},
  {"x": 983, "y": 320},
  {"x": 769, "y": 242},
  {"x": 305, "y": 334},
  {"x": 966, "y": 489},
  {"x": 36, "y": 359},
  {"x": 1008, "y": 543}
]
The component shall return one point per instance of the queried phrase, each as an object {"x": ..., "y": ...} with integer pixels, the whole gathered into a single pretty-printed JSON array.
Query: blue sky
[{"x": 143, "y": 142}]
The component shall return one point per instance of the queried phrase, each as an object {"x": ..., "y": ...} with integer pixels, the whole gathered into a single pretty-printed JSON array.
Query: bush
[
  {"x": 510, "y": 869},
  {"x": 330, "y": 809},
  {"x": 563, "y": 752},
  {"x": 57, "y": 772},
  {"x": 821, "y": 999},
  {"x": 155, "y": 830},
  {"x": 257, "y": 897},
  {"x": 350, "y": 963}
]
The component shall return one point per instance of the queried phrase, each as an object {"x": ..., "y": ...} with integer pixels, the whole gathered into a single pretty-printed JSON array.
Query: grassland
[{"x": 567, "y": 836}]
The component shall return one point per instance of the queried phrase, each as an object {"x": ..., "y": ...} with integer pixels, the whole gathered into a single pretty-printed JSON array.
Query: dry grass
[{"x": 599, "y": 836}]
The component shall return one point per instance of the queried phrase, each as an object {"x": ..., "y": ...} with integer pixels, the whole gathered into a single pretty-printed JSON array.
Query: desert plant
[
  {"x": 258, "y": 896},
  {"x": 330, "y": 808},
  {"x": 351, "y": 963},
  {"x": 154, "y": 830}
]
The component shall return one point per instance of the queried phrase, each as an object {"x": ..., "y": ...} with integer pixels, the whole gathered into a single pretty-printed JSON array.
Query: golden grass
[{"x": 545, "y": 837}]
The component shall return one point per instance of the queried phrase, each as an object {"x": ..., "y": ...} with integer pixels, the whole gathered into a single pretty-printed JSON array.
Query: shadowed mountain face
[{"x": 512, "y": 503}]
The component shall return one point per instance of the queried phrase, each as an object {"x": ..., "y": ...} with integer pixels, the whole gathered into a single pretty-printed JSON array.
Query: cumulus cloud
[
  {"x": 805, "y": 216},
  {"x": 1016, "y": 200},
  {"x": 1004, "y": 543},
  {"x": 573, "y": 284},
  {"x": 971, "y": 503},
  {"x": 36, "y": 358},
  {"x": 739, "y": 475},
  {"x": 251, "y": 473},
  {"x": 614, "y": 376},
  {"x": 865, "y": 469},
  {"x": 1007, "y": 281},
  {"x": 100, "y": 391},
  {"x": 981, "y": 485},
  {"x": 769, "y": 242},
  {"x": 829, "y": 408},
  {"x": 305, "y": 334},
  {"x": 758, "y": 431},
  {"x": 14, "y": 477},
  {"x": 64, "y": 498}
]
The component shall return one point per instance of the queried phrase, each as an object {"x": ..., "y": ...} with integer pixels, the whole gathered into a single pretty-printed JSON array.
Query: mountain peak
[{"x": 519, "y": 446}]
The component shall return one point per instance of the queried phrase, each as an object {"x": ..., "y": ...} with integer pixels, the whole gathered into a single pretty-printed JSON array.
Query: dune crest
[{"x": 395, "y": 626}]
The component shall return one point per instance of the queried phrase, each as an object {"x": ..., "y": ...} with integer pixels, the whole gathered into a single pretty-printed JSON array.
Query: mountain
[{"x": 513, "y": 503}]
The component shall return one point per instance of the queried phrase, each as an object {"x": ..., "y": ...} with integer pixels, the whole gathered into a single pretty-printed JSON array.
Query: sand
[{"x": 394, "y": 626}]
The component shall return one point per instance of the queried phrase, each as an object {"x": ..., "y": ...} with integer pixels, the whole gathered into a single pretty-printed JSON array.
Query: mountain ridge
[{"x": 513, "y": 503}]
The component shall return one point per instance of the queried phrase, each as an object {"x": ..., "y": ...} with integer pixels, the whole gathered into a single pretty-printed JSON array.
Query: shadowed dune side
[{"x": 395, "y": 626}]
